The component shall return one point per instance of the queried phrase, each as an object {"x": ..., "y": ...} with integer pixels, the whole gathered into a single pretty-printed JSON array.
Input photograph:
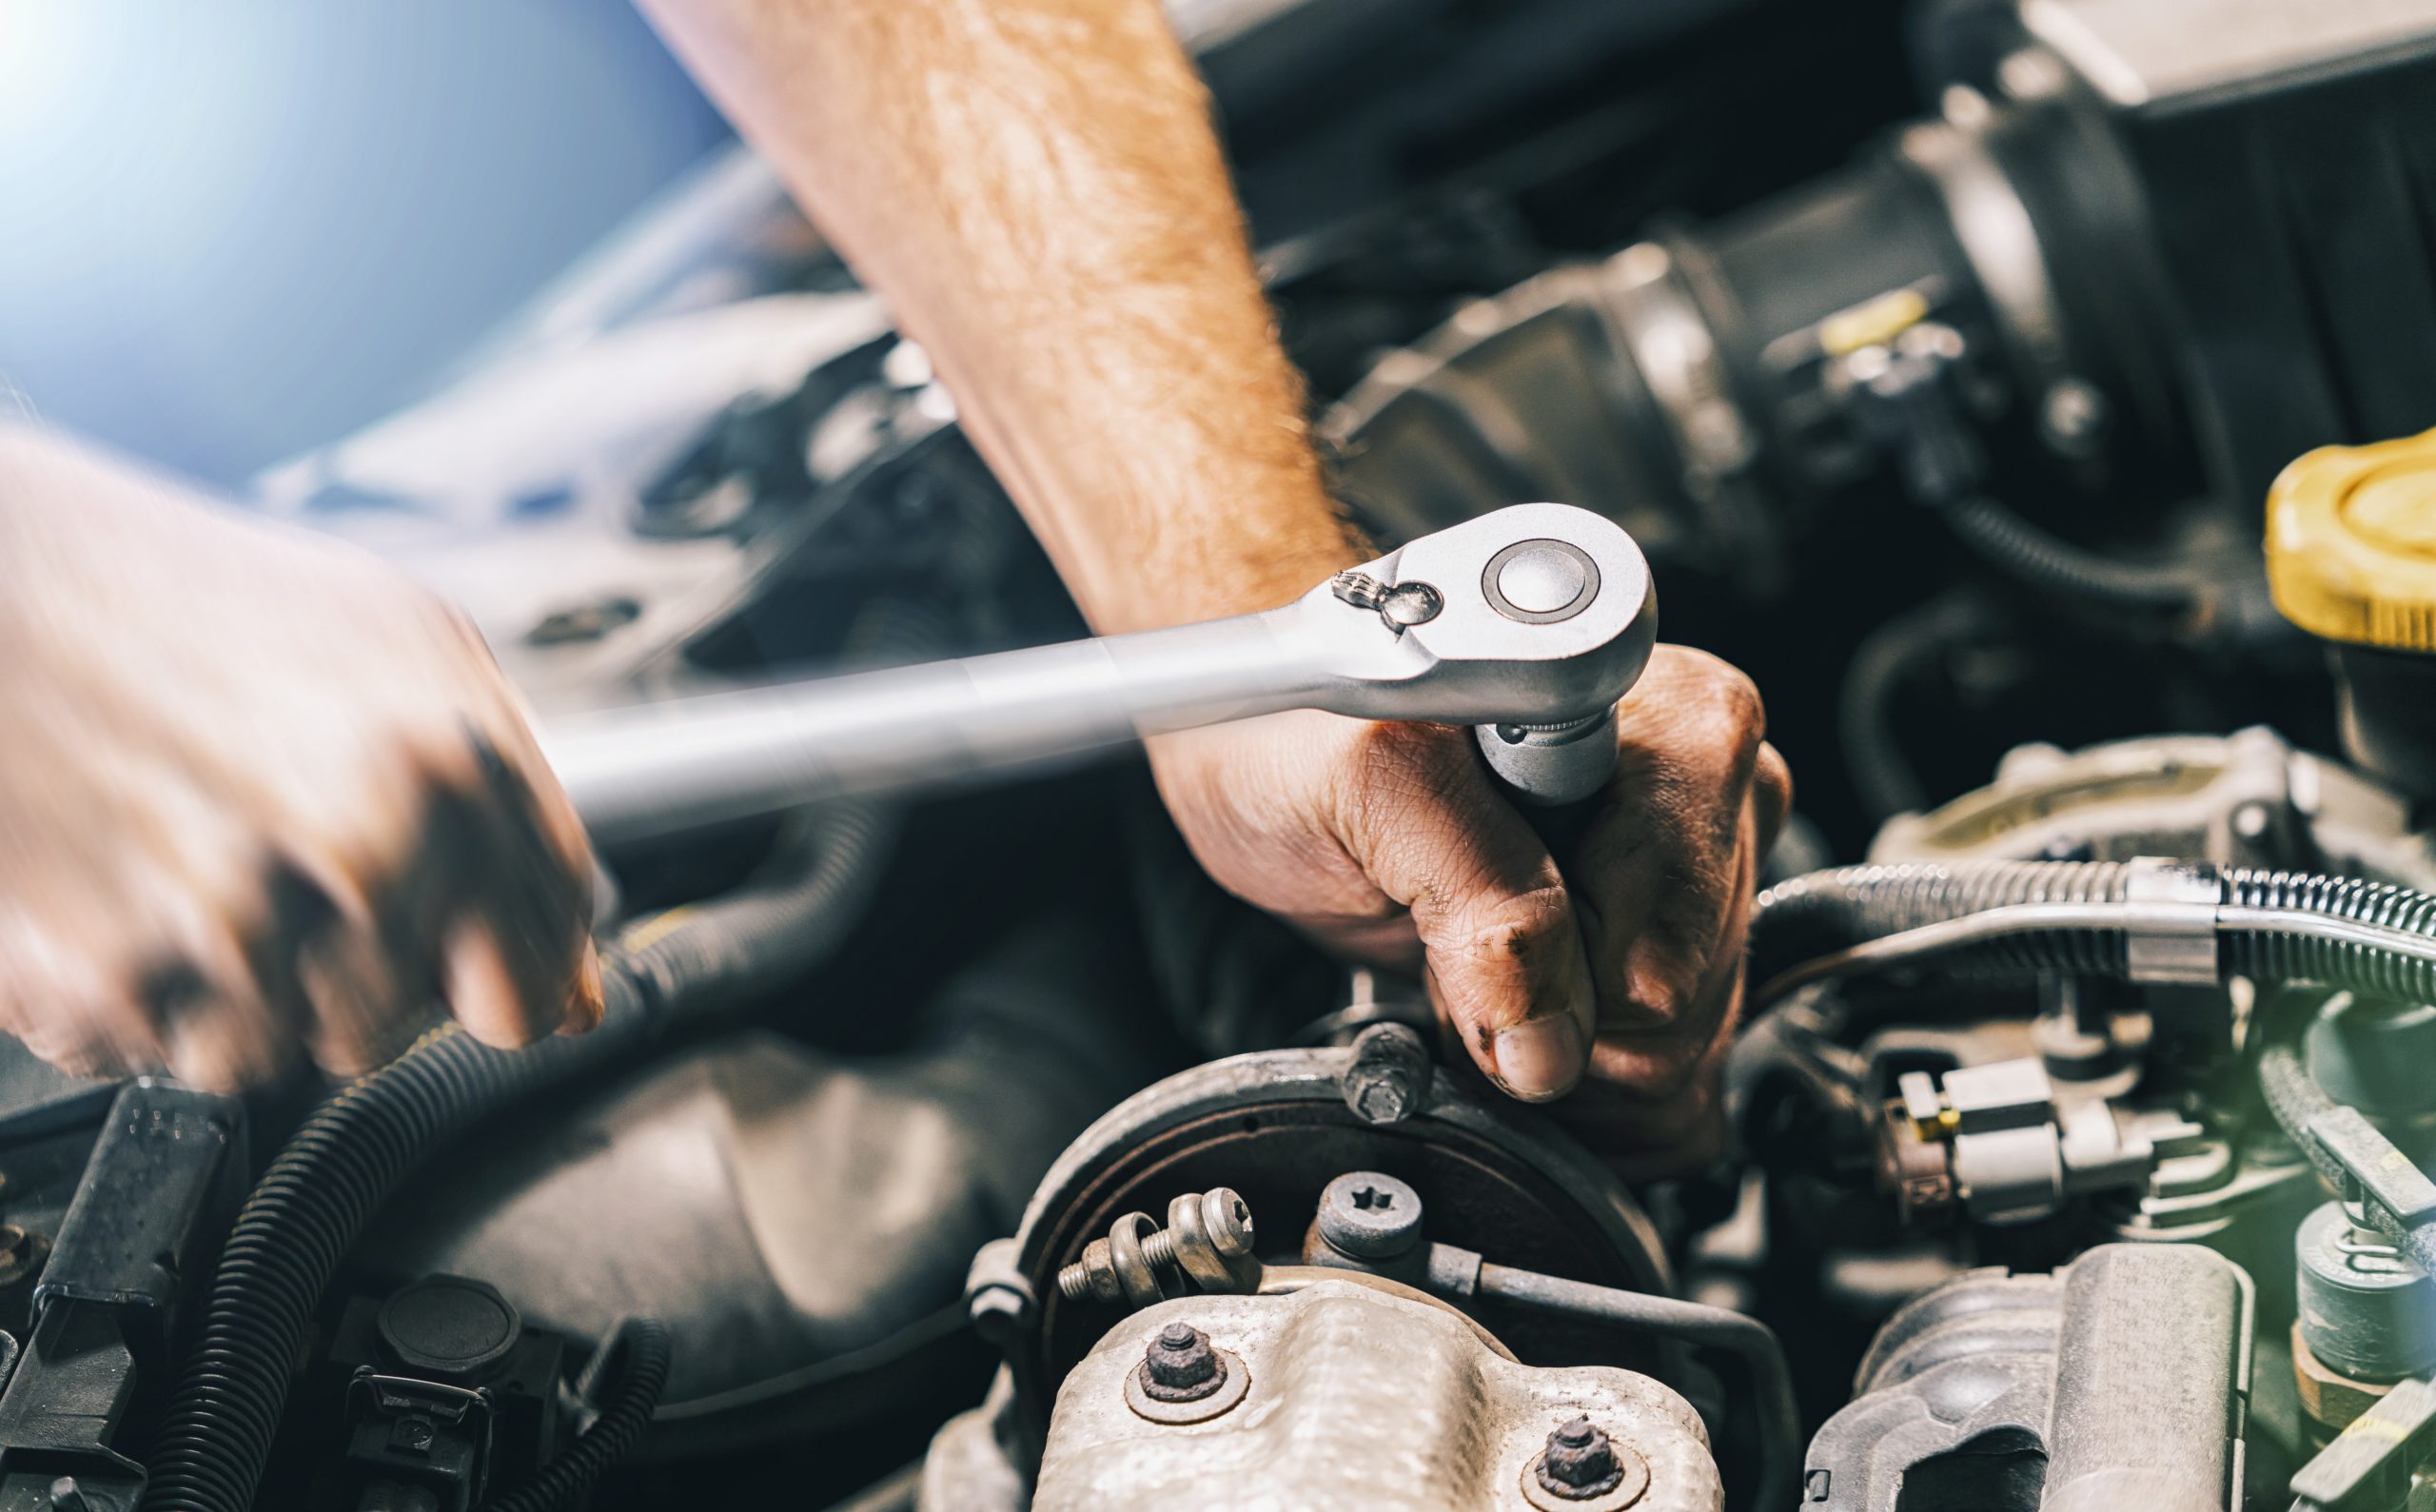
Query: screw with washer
[{"x": 1208, "y": 1238}]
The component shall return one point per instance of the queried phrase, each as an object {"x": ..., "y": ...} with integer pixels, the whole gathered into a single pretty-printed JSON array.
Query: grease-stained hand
[
  {"x": 260, "y": 792},
  {"x": 1610, "y": 970}
]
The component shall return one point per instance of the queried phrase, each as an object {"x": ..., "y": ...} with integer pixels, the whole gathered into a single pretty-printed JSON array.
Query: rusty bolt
[
  {"x": 1388, "y": 1077},
  {"x": 1180, "y": 1367},
  {"x": 1581, "y": 1462}
]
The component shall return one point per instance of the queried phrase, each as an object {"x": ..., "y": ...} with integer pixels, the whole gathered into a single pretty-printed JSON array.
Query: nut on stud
[
  {"x": 1179, "y": 1366},
  {"x": 1183, "y": 1377},
  {"x": 1582, "y": 1469}
]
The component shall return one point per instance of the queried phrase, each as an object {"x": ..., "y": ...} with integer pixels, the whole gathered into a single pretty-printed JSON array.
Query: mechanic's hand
[
  {"x": 1377, "y": 839},
  {"x": 258, "y": 788}
]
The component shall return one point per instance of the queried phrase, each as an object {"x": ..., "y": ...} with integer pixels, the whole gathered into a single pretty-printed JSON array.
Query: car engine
[{"x": 2033, "y": 396}]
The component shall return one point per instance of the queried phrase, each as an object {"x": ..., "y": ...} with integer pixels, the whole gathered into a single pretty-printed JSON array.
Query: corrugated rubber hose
[
  {"x": 353, "y": 1151},
  {"x": 632, "y": 1381}
]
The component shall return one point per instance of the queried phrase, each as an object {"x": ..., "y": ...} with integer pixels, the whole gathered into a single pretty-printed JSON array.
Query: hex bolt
[
  {"x": 1388, "y": 1077},
  {"x": 1179, "y": 1366},
  {"x": 1581, "y": 1462},
  {"x": 67, "y": 1495},
  {"x": 1226, "y": 1219}
]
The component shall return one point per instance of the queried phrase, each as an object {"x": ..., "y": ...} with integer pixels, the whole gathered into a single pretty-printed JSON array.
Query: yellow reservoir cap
[{"x": 2352, "y": 543}]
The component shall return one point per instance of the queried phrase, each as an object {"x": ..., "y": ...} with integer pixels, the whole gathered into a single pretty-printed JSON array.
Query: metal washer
[
  {"x": 1493, "y": 590},
  {"x": 1177, "y": 1414}
]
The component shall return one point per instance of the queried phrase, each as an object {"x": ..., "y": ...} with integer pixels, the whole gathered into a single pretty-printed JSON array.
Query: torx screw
[{"x": 1224, "y": 1214}]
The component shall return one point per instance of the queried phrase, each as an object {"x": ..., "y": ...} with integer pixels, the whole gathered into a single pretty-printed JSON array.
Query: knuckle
[
  {"x": 1733, "y": 708},
  {"x": 1772, "y": 783},
  {"x": 1718, "y": 696}
]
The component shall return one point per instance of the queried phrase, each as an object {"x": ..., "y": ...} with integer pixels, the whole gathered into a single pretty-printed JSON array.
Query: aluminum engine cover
[{"x": 1358, "y": 1399}]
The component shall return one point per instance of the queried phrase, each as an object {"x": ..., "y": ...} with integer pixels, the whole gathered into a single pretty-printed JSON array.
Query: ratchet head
[{"x": 1529, "y": 623}]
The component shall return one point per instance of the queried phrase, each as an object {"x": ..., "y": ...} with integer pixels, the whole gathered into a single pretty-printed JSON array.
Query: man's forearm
[{"x": 1035, "y": 186}]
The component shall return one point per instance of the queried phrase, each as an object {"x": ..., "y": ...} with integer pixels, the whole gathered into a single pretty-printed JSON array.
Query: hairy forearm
[{"x": 1035, "y": 186}]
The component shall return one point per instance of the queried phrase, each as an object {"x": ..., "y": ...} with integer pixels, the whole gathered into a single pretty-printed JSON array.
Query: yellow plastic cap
[{"x": 2352, "y": 543}]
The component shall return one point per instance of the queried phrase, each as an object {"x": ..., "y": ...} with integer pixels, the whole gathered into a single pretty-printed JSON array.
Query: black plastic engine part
[
  {"x": 2387, "y": 707},
  {"x": 2175, "y": 241},
  {"x": 157, "y": 1191},
  {"x": 353, "y": 1151}
]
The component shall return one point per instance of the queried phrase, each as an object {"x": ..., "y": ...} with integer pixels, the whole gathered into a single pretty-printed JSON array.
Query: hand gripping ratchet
[{"x": 1528, "y": 623}]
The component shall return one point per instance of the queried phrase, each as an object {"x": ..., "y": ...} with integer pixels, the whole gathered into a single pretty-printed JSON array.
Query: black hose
[
  {"x": 355, "y": 1149},
  {"x": 1886, "y": 661},
  {"x": 713, "y": 957},
  {"x": 2030, "y": 555},
  {"x": 634, "y": 1376}
]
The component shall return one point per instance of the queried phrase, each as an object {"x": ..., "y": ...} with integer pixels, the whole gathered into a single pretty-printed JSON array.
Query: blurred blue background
[{"x": 232, "y": 230}]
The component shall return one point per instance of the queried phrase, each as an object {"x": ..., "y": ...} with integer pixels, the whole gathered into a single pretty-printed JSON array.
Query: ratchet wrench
[{"x": 1528, "y": 623}]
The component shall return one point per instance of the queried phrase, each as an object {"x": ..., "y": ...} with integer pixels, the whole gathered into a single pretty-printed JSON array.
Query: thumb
[{"x": 1505, "y": 950}]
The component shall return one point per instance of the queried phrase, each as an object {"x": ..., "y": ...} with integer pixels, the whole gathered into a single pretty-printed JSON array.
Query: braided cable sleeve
[
  {"x": 2361, "y": 964},
  {"x": 1825, "y": 912},
  {"x": 2297, "y": 1101}
]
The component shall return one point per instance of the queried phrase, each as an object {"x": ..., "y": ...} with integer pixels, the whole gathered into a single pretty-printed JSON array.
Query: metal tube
[{"x": 1747, "y": 1339}]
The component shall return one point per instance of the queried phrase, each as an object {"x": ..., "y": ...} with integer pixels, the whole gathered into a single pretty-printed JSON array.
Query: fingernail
[{"x": 1540, "y": 1058}]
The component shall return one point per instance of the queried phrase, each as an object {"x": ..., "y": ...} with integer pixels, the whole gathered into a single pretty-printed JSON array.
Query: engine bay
[{"x": 2033, "y": 396}]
